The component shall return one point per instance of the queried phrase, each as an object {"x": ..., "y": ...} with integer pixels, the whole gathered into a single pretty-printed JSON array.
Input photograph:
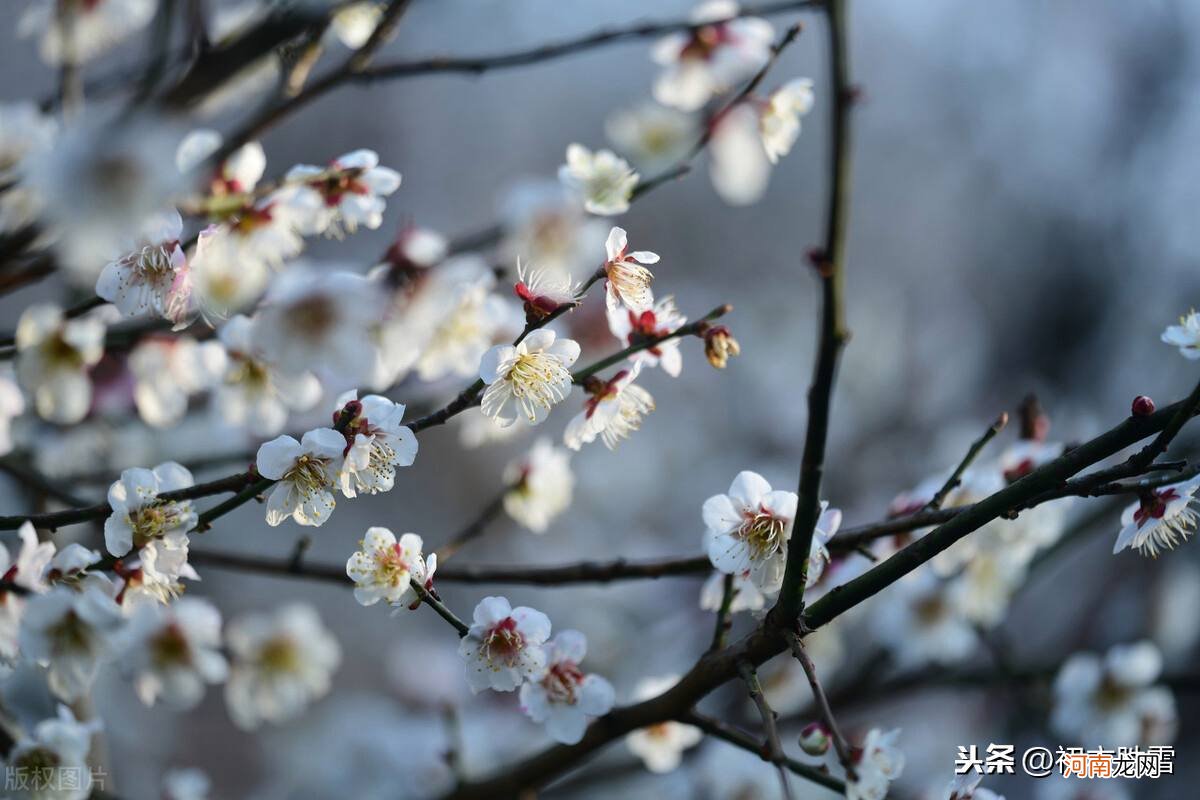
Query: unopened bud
[
  {"x": 719, "y": 346},
  {"x": 1143, "y": 406},
  {"x": 814, "y": 739}
]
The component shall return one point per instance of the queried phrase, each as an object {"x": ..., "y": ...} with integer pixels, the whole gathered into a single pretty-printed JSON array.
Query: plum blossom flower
[
  {"x": 661, "y": 746},
  {"x": 156, "y": 529},
  {"x": 27, "y": 569},
  {"x": 660, "y": 319},
  {"x": 1185, "y": 335},
  {"x": 306, "y": 475},
  {"x": 711, "y": 58},
  {"x": 653, "y": 136},
  {"x": 1113, "y": 700},
  {"x": 379, "y": 442},
  {"x": 348, "y": 193},
  {"x": 281, "y": 662},
  {"x": 544, "y": 291},
  {"x": 504, "y": 647},
  {"x": 167, "y": 371},
  {"x": 59, "y": 743},
  {"x": 748, "y": 531},
  {"x": 739, "y": 167},
  {"x": 614, "y": 409},
  {"x": 565, "y": 697},
  {"x": 746, "y": 596},
  {"x": 105, "y": 178},
  {"x": 541, "y": 485},
  {"x": 779, "y": 120},
  {"x": 918, "y": 620},
  {"x": 876, "y": 764},
  {"x": 153, "y": 278},
  {"x": 12, "y": 405},
  {"x": 1160, "y": 520},
  {"x": 24, "y": 129},
  {"x": 602, "y": 180},
  {"x": 628, "y": 281},
  {"x": 547, "y": 226},
  {"x": 173, "y": 651},
  {"x": 82, "y": 30},
  {"x": 223, "y": 281},
  {"x": 720, "y": 346},
  {"x": 383, "y": 567},
  {"x": 53, "y": 357},
  {"x": 527, "y": 380},
  {"x": 320, "y": 319},
  {"x": 255, "y": 394},
  {"x": 71, "y": 632}
]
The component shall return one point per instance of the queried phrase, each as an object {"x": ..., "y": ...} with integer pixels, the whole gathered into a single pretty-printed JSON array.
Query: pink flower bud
[
  {"x": 1143, "y": 406},
  {"x": 814, "y": 739}
]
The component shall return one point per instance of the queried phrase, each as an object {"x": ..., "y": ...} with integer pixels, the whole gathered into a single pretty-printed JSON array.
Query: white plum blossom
[
  {"x": 711, "y": 58},
  {"x": 917, "y": 618},
  {"x": 353, "y": 23},
  {"x": 61, "y": 744},
  {"x": 544, "y": 291},
  {"x": 876, "y": 764},
  {"x": 322, "y": 322},
  {"x": 654, "y": 137},
  {"x": 223, "y": 281},
  {"x": 281, "y": 662},
  {"x": 504, "y": 647},
  {"x": 602, "y": 180},
  {"x": 254, "y": 394},
  {"x": 139, "y": 518},
  {"x": 71, "y": 632},
  {"x": 383, "y": 567},
  {"x": 746, "y": 596},
  {"x": 1112, "y": 700},
  {"x": 306, "y": 475},
  {"x": 154, "y": 277},
  {"x": 748, "y": 529},
  {"x": 53, "y": 357},
  {"x": 167, "y": 371},
  {"x": 12, "y": 405},
  {"x": 565, "y": 698},
  {"x": 79, "y": 31},
  {"x": 174, "y": 651},
  {"x": 988, "y": 582},
  {"x": 660, "y": 746},
  {"x": 1185, "y": 335},
  {"x": 379, "y": 443},
  {"x": 660, "y": 319},
  {"x": 540, "y": 486},
  {"x": 780, "y": 118},
  {"x": 24, "y": 129},
  {"x": 739, "y": 166},
  {"x": 614, "y": 409},
  {"x": 1159, "y": 520},
  {"x": 526, "y": 380},
  {"x": 348, "y": 193},
  {"x": 546, "y": 226},
  {"x": 103, "y": 181},
  {"x": 628, "y": 281},
  {"x": 26, "y": 569}
]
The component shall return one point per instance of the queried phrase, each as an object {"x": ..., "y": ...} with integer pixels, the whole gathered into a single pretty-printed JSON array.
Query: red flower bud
[{"x": 1143, "y": 406}]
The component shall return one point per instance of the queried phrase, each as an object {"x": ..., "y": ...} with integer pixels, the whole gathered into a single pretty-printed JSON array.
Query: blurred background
[{"x": 1023, "y": 220}]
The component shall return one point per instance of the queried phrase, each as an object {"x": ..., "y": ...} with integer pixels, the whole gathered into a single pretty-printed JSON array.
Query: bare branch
[
  {"x": 774, "y": 748},
  {"x": 956, "y": 477},
  {"x": 810, "y": 671}
]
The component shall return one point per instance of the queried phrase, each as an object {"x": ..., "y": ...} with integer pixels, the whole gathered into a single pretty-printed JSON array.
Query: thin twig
[
  {"x": 956, "y": 477},
  {"x": 774, "y": 747},
  {"x": 428, "y": 599},
  {"x": 810, "y": 671},
  {"x": 724, "y": 619},
  {"x": 474, "y": 528},
  {"x": 727, "y": 733},
  {"x": 830, "y": 264}
]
